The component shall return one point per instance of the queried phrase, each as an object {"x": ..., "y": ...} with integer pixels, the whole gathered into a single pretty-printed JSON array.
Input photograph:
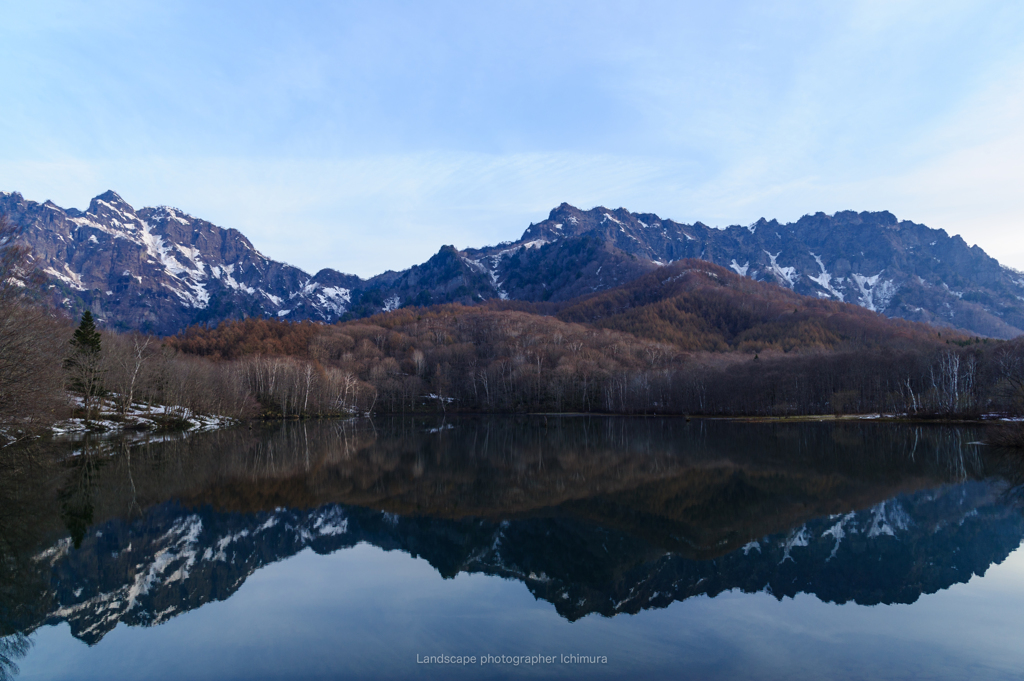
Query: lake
[{"x": 515, "y": 547}]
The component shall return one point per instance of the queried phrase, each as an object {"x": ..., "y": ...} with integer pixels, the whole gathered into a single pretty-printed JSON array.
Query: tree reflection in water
[{"x": 594, "y": 515}]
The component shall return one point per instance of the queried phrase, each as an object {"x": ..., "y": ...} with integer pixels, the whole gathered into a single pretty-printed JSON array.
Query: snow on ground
[{"x": 139, "y": 417}]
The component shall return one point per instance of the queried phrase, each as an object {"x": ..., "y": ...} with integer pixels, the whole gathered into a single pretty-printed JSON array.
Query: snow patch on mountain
[
  {"x": 875, "y": 292},
  {"x": 536, "y": 243},
  {"x": 168, "y": 213},
  {"x": 824, "y": 279},
  {"x": 335, "y": 299},
  {"x": 786, "y": 275},
  {"x": 492, "y": 271},
  {"x": 72, "y": 279},
  {"x": 225, "y": 274}
]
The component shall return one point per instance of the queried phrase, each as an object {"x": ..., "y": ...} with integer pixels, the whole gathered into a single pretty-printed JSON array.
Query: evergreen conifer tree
[
  {"x": 84, "y": 363},
  {"x": 86, "y": 338}
]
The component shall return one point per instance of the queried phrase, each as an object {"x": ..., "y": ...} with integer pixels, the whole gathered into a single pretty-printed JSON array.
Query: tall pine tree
[
  {"x": 84, "y": 362},
  {"x": 86, "y": 338}
]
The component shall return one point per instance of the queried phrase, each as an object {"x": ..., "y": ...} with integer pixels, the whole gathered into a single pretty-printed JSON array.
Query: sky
[{"x": 362, "y": 136}]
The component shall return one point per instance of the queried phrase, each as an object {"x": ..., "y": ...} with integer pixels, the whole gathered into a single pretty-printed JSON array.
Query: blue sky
[{"x": 362, "y": 136}]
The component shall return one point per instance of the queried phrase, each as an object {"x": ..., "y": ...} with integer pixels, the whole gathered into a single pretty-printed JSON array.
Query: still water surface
[{"x": 653, "y": 548}]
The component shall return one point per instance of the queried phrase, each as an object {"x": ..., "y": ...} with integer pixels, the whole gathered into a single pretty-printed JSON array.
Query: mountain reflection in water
[{"x": 594, "y": 515}]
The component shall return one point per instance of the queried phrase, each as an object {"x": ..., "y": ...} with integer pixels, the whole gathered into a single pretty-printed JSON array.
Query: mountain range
[{"x": 160, "y": 270}]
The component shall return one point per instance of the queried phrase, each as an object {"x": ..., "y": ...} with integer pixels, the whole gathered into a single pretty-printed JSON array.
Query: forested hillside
[
  {"x": 696, "y": 305},
  {"x": 749, "y": 350}
]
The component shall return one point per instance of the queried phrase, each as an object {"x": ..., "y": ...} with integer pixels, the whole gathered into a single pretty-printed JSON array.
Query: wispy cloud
[{"x": 362, "y": 137}]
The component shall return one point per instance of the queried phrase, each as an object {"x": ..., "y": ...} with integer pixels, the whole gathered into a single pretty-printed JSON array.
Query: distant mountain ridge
[
  {"x": 160, "y": 269},
  {"x": 898, "y": 268}
]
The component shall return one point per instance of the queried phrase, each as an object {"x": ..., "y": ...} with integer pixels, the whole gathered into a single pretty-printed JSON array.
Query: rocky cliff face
[{"x": 159, "y": 270}]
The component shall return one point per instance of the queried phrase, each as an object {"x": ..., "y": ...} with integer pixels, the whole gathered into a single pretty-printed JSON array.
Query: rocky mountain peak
[{"x": 110, "y": 199}]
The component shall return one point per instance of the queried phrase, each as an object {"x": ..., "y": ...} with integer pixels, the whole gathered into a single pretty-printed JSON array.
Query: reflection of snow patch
[
  {"x": 331, "y": 523},
  {"x": 796, "y": 538},
  {"x": 837, "y": 533},
  {"x": 222, "y": 546},
  {"x": 183, "y": 536},
  {"x": 885, "y": 517},
  {"x": 267, "y": 525}
]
